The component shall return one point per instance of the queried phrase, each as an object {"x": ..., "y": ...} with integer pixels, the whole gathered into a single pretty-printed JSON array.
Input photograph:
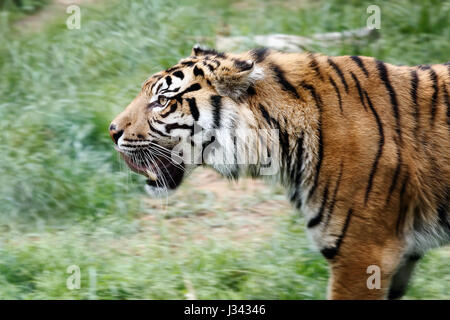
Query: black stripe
[
  {"x": 128, "y": 145},
  {"x": 216, "y": 102},
  {"x": 299, "y": 161},
  {"x": 316, "y": 220},
  {"x": 338, "y": 93},
  {"x": 159, "y": 87},
  {"x": 380, "y": 148},
  {"x": 313, "y": 92},
  {"x": 424, "y": 66},
  {"x": 339, "y": 73},
  {"x": 413, "y": 92},
  {"x": 194, "y": 87},
  {"x": 318, "y": 101},
  {"x": 158, "y": 77},
  {"x": 202, "y": 51},
  {"x": 242, "y": 65},
  {"x": 167, "y": 90},
  {"x": 281, "y": 79},
  {"x": 284, "y": 140},
  {"x": 217, "y": 62},
  {"x": 251, "y": 90},
  {"x": 315, "y": 66},
  {"x": 168, "y": 81},
  {"x": 392, "y": 95},
  {"x": 159, "y": 121},
  {"x": 297, "y": 172},
  {"x": 188, "y": 63},
  {"x": 360, "y": 64},
  {"x": 136, "y": 140},
  {"x": 265, "y": 114},
  {"x": 198, "y": 72},
  {"x": 331, "y": 252},
  {"x": 282, "y": 136},
  {"x": 173, "y": 69},
  {"x": 152, "y": 128},
  {"x": 434, "y": 98},
  {"x": 259, "y": 54},
  {"x": 442, "y": 210},
  {"x": 173, "y": 126},
  {"x": 193, "y": 107},
  {"x": 271, "y": 121},
  {"x": 178, "y": 74},
  {"x": 396, "y": 173},
  {"x": 358, "y": 86},
  {"x": 447, "y": 103},
  {"x": 403, "y": 206},
  {"x": 319, "y": 163},
  {"x": 153, "y": 136},
  {"x": 333, "y": 199},
  {"x": 173, "y": 107}
]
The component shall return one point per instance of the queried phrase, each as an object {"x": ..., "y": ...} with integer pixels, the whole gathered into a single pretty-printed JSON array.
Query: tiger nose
[{"x": 115, "y": 133}]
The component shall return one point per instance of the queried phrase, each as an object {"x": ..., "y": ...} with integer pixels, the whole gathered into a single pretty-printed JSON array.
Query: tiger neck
[
  {"x": 299, "y": 154},
  {"x": 299, "y": 135}
]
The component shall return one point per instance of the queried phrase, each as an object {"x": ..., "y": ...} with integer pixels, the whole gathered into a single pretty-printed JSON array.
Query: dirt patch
[{"x": 244, "y": 211}]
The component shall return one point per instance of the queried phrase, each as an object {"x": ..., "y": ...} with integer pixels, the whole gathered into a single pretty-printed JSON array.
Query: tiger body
[{"x": 363, "y": 148}]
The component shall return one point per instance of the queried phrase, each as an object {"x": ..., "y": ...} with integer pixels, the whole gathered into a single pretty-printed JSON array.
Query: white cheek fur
[{"x": 158, "y": 109}]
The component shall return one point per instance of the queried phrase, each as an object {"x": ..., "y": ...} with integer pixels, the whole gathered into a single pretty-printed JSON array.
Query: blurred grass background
[{"x": 66, "y": 199}]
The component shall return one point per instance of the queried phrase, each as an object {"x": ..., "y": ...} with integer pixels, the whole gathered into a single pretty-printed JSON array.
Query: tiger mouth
[{"x": 161, "y": 172}]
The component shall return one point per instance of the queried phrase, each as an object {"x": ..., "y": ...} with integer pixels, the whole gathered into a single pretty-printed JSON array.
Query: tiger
[{"x": 363, "y": 149}]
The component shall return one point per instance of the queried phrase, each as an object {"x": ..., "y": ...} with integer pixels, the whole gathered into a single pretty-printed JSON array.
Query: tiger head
[{"x": 206, "y": 92}]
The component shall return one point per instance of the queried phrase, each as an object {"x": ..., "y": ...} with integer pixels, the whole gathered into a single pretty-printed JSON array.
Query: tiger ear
[
  {"x": 198, "y": 51},
  {"x": 234, "y": 79},
  {"x": 231, "y": 76}
]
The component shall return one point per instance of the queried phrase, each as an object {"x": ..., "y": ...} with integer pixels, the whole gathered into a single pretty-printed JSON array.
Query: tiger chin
[{"x": 361, "y": 146}]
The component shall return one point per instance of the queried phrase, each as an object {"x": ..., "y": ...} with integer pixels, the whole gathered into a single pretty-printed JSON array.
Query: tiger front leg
[{"x": 363, "y": 271}]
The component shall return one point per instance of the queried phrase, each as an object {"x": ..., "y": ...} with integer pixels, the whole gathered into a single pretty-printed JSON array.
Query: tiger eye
[{"x": 162, "y": 100}]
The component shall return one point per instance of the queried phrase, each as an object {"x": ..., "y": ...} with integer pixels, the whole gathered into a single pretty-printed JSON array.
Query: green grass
[
  {"x": 274, "y": 270},
  {"x": 65, "y": 199}
]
